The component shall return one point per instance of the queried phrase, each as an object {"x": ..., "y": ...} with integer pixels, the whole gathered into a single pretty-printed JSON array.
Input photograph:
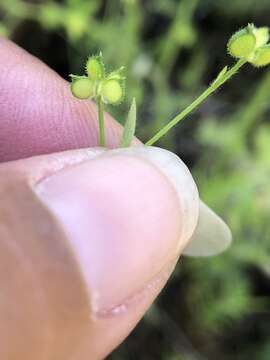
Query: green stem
[
  {"x": 213, "y": 87},
  {"x": 101, "y": 122}
]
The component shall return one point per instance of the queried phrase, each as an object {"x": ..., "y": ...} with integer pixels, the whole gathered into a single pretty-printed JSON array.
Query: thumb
[{"x": 88, "y": 239}]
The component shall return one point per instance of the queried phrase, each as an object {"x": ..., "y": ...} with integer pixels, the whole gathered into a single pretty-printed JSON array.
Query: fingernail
[
  {"x": 181, "y": 179},
  {"x": 126, "y": 214},
  {"x": 212, "y": 235}
]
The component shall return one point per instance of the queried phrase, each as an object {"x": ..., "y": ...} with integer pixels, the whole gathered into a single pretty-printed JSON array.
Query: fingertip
[
  {"x": 39, "y": 115},
  {"x": 110, "y": 218},
  {"x": 137, "y": 204},
  {"x": 179, "y": 177}
]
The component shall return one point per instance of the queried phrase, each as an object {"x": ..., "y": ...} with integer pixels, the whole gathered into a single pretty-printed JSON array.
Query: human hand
[{"x": 88, "y": 236}]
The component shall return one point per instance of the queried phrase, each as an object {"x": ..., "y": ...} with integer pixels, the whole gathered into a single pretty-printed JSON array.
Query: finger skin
[
  {"x": 38, "y": 114},
  {"x": 45, "y": 308},
  {"x": 46, "y": 312},
  {"x": 35, "y": 269}
]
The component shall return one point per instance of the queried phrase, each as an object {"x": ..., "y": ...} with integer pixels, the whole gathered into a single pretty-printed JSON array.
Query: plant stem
[
  {"x": 213, "y": 87},
  {"x": 101, "y": 122}
]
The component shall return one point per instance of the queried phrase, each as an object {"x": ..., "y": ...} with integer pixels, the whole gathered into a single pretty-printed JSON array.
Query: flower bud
[
  {"x": 82, "y": 88},
  {"x": 111, "y": 91}
]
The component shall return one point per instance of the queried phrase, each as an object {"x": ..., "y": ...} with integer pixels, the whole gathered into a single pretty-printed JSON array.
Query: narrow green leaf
[
  {"x": 130, "y": 126},
  {"x": 220, "y": 75}
]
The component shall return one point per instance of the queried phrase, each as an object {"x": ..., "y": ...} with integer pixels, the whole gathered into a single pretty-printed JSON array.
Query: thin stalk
[
  {"x": 213, "y": 87},
  {"x": 101, "y": 122}
]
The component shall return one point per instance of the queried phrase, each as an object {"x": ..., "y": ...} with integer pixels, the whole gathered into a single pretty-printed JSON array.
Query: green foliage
[{"x": 233, "y": 176}]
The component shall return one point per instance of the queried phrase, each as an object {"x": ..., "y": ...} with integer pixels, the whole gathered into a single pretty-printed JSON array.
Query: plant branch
[
  {"x": 100, "y": 104},
  {"x": 213, "y": 87}
]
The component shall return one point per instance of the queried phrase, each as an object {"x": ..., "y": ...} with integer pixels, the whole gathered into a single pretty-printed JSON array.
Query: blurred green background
[{"x": 216, "y": 308}]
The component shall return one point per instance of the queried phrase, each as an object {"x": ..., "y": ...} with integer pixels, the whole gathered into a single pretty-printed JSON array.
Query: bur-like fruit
[
  {"x": 82, "y": 88},
  {"x": 112, "y": 92},
  {"x": 242, "y": 43},
  {"x": 261, "y": 56},
  {"x": 95, "y": 67}
]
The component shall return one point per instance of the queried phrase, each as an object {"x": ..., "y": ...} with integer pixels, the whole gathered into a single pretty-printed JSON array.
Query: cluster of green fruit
[
  {"x": 251, "y": 43},
  {"x": 110, "y": 88}
]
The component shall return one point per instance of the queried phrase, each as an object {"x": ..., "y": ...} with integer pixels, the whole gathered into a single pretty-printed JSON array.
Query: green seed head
[
  {"x": 95, "y": 68},
  {"x": 242, "y": 43},
  {"x": 112, "y": 92},
  {"x": 262, "y": 56},
  {"x": 82, "y": 88}
]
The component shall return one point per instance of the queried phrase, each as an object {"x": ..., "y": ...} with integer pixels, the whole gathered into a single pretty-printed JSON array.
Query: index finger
[{"x": 38, "y": 114}]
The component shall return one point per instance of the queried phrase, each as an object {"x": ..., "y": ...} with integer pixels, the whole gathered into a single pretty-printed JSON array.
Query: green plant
[
  {"x": 248, "y": 45},
  {"x": 104, "y": 89}
]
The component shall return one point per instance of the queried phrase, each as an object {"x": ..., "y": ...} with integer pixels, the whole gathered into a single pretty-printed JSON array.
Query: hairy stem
[
  {"x": 213, "y": 87},
  {"x": 101, "y": 122}
]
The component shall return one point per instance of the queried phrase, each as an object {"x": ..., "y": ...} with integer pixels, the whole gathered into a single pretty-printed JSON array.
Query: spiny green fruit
[
  {"x": 262, "y": 56},
  {"x": 242, "y": 43},
  {"x": 111, "y": 91},
  {"x": 82, "y": 88},
  {"x": 95, "y": 67},
  {"x": 262, "y": 36}
]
